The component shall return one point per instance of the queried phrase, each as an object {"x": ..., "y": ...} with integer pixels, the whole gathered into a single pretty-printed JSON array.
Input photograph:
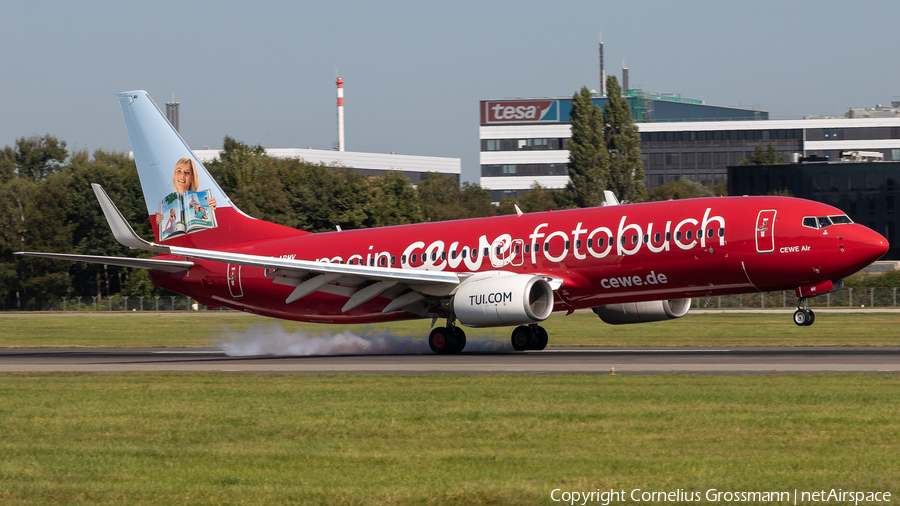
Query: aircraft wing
[{"x": 139, "y": 263}]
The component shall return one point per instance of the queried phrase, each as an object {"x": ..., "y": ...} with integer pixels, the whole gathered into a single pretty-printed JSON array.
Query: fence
[
  {"x": 849, "y": 297},
  {"x": 107, "y": 304}
]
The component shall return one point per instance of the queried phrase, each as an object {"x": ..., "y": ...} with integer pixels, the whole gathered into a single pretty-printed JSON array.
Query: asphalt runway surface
[{"x": 682, "y": 360}]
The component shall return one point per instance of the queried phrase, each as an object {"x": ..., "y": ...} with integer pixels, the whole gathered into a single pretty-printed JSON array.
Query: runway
[{"x": 687, "y": 360}]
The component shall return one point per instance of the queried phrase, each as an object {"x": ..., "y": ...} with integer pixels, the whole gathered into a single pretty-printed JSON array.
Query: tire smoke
[{"x": 274, "y": 340}]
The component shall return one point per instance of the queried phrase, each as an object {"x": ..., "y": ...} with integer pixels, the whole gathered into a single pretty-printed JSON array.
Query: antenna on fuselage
[{"x": 610, "y": 197}]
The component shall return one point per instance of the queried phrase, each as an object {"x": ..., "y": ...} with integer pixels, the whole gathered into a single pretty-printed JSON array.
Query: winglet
[
  {"x": 610, "y": 197},
  {"x": 120, "y": 227}
]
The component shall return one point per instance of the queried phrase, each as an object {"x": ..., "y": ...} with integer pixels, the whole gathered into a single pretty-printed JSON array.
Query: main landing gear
[
  {"x": 449, "y": 339},
  {"x": 529, "y": 337},
  {"x": 803, "y": 316}
]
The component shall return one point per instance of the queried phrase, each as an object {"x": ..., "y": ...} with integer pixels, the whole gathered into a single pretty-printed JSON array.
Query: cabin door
[
  {"x": 234, "y": 281},
  {"x": 765, "y": 231}
]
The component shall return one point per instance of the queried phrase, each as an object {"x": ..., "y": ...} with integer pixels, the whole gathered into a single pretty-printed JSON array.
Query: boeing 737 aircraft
[{"x": 630, "y": 263}]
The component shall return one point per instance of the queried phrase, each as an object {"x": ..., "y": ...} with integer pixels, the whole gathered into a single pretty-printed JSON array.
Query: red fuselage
[{"x": 608, "y": 255}]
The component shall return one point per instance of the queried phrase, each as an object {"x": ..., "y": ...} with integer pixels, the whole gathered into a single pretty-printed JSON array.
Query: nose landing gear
[{"x": 804, "y": 316}]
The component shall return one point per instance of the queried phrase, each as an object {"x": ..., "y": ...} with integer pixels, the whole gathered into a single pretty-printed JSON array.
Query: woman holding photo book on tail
[{"x": 196, "y": 214}]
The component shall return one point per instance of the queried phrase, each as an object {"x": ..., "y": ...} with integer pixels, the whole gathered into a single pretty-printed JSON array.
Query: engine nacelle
[
  {"x": 641, "y": 312},
  {"x": 503, "y": 299}
]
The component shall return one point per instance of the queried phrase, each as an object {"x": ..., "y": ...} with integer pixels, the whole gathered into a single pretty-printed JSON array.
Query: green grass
[
  {"x": 436, "y": 439},
  {"x": 580, "y": 329}
]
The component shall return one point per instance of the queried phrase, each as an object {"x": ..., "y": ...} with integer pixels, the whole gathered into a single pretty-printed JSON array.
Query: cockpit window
[
  {"x": 840, "y": 220},
  {"x": 819, "y": 222}
]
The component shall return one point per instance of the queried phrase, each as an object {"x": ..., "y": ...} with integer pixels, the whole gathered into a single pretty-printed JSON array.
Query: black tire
[
  {"x": 541, "y": 338},
  {"x": 812, "y": 317},
  {"x": 522, "y": 337},
  {"x": 801, "y": 317},
  {"x": 441, "y": 340},
  {"x": 460, "y": 336}
]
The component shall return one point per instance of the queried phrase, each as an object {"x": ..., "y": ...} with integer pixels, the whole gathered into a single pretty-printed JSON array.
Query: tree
[
  {"x": 253, "y": 181},
  {"x": 762, "y": 156},
  {"x": 392, "y": 201},
  {"x": 439, "y": 198},
  {"x": 588, "y": 157},
  {"x": 683, "y": 188},
  {"x": 538, "y": 199},
  {"x": 34, "y": 157},
  {"x": 476, "y": 201},
  {"x": 623, "y": 141}
]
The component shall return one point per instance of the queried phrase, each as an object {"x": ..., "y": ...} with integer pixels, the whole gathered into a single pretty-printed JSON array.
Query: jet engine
[
  {"x": 503, "y": 299},
  {"x": 641, "y": 312}
]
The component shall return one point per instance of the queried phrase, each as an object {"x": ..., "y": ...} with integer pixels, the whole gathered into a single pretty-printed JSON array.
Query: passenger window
[
  {"x": 669, "y": 236},
  {"x": 623, "y": 240},
  {"x": 403, "y": 259},
  {"x": 474, "y": 253},
  {"x": 547, "y": 246},
  {"x": 487, "y": 251},
  {"x": 578, "y": 244},
  {"x": 393, "y": 260},
  {"x": 453, "y": 255},
  {"x": 656, "y": 237},
  {"x": 527, "y": 248},
  {"x": 517, "y": 249},
  {"x": 678, "y": 235},
  {"x": 590, "y": 243},
  {"x": 443, "y": 255},
  {"x": 371, "y": 262},
  {"x": 687, "y": 235},
  {"x": 709, "y": 233},
  {"x": 600, "y": 242},
  {"x": 634, "y": 239},
  {"x": 464, "y": 252},
  {"x": 568, "y": 245},
  {"x": 382, "y": 261},
  {"x": 498, "y": 251},
  {"x": 414, "y": 258},
  {"x": 721, "y": 231},
  {"x": 646, "y": 238}
]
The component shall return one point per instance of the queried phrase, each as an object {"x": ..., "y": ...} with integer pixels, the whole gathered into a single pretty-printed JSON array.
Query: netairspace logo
[
  {"x": 273, "y": 340},
  {"x": 611, "y": 496}
]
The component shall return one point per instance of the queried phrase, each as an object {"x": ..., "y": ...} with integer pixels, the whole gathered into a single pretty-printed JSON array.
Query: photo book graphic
[{"x": 185, "y": 214}]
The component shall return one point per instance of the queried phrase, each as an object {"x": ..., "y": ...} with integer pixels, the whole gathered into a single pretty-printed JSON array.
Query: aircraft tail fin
[{"x": 186, "y": 206}]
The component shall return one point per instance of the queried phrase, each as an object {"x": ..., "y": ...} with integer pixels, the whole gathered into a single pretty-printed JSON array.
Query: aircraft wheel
[
  {"x": 541, "y": 338},
  {"x": 460, "y": 336},
  {"x": 801, "y": 317},
  {"x": 812, "y": 317},
  {"x": 441, "y": 340},
  {"x": 522, "y": 337}
]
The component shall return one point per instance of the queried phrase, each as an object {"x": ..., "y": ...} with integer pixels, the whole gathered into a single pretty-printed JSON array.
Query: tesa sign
[{"x": 520, "y": 111}]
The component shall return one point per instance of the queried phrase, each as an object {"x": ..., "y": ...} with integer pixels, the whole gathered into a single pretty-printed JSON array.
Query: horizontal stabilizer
[{"x": 169, "y": 266}]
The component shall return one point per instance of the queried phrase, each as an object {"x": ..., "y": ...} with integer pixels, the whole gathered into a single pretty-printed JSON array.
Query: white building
[
  {"x": 415, "y": 168},
  {"x": 516, "y": 155}
]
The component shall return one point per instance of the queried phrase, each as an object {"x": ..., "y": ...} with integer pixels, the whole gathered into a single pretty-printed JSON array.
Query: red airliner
[{"x": 630, "y": 263}]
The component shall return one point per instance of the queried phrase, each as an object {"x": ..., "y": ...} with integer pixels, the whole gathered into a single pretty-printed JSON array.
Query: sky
[{"x": 263, "y": 72}]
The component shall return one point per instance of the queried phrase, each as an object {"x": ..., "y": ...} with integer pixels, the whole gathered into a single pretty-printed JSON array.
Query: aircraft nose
[{"x": 867, "y": 244}]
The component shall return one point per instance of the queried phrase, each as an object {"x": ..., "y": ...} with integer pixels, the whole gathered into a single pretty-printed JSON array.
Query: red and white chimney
[{"x": 340, "y": 105}]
